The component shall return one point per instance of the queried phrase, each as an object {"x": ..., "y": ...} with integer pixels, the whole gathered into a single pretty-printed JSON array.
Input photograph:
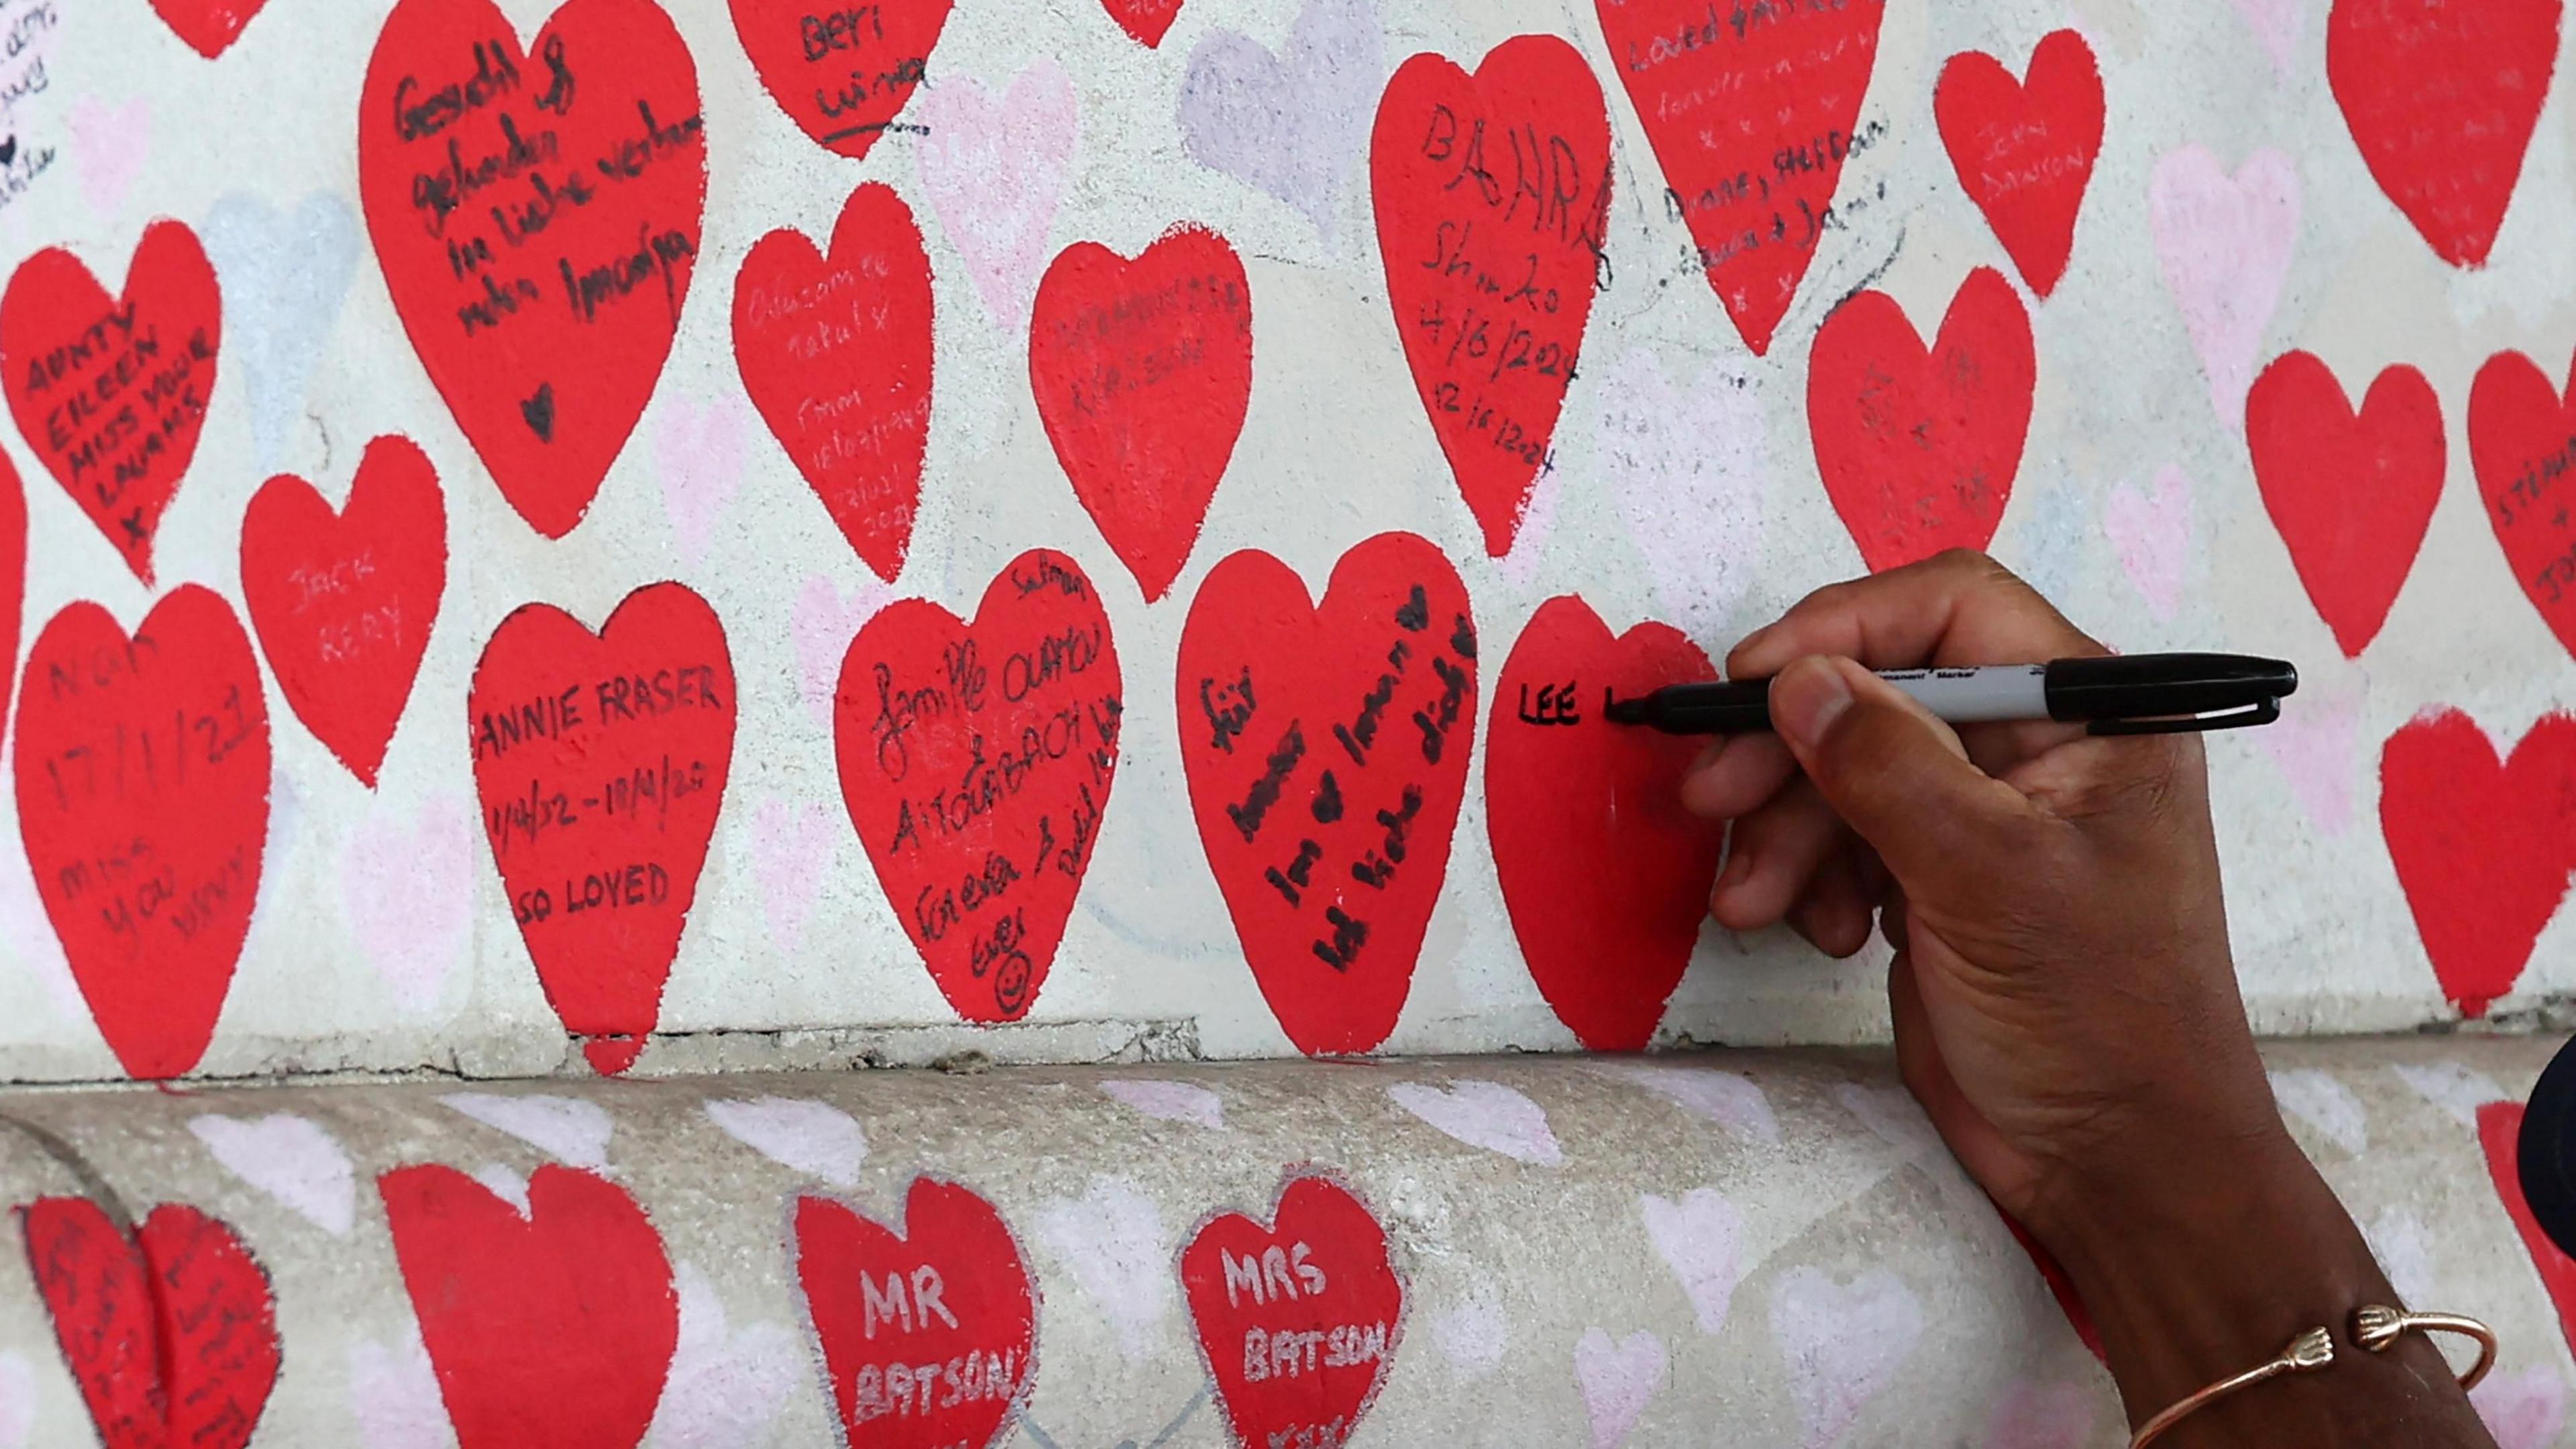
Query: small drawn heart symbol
[
  {"x": 8, "y": 151},
  {"x": 539, "y": 412}
]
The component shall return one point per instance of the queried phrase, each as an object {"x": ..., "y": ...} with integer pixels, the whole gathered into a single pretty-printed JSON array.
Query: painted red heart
[
  {"x": 1918, "y": 446},
  {"x": 1145, "y": 21},
  {"x": 111, "y": 392},
  {"x": 600, "y": 760},
  {"x": 835, "y": 352},
  {"x": 208, "y": 26},
  {"x": 1752, "y": 111},
  {"x": 2024, "y": 151},
  {"x": 1492, "y": 195},
  {"x": 949, "y": 1293},
  {"x": 976, "y": 761},
  {"x": 142, "y": 775},
  {"x": 1143, "y": 371},
  {"x": 841, "y": 71},
  {"x": 2482, "y": 846},
  {"x": 537, "y": 216},
  {"x": 2350, "y": 494},
  {"x": 554, "y": 1326},
  {"x": 2500, "y": 1133},
  {"x": 2442, "y": 99},
  {"x": 1326, "y": 750},
  {"x": 1605, "y": 875},
  {"x": 170, "y": 1331},
  {"x": 344, "y": 602},
  {"x": 1298, "y": 1318},
  {"x": 2522, "y": 444}
]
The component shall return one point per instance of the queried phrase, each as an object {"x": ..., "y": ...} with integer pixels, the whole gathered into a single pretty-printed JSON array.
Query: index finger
[{"x": 1956, "y": 608}]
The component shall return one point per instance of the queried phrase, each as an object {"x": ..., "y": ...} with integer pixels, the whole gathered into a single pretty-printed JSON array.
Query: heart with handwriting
[
  {"x": 2024, "y": 149},
  {"x": 2351, "y": 493},
  {"x": 111, "y": 392},
  {"x": 1143, "y": 371},
  {"x": 208, "y": 26},
  {"x": 169, "y": 1330},
  {"x": 1326, "y": 750},
  {"x": 142, "y": 771},
  {"x": 842, "y": 73},
  {"x": 1298, "y": 1317},
  {"x": 2482, "y": 846},
  {"x": 1752, "y": 111},
  {"x": 976, "y": 760},
  {"x": 835, "y": 352},
  {"x": 1604, "y": 874},
  {"x": 946, "y": 1286},
  {"x": 1492, "y": 192},
  {"x": 343, "y": 602},
  {"x": 600, "y": 761},
  {"x": 537, "y": 216},
  {"x": 1918, "y": 446},
  {"x": 551, "y": 1326},
  {"x": 2442, "y": 98},
  {"x": 2500, "y": 1134},
  {"x": 2522, "y": 444}
]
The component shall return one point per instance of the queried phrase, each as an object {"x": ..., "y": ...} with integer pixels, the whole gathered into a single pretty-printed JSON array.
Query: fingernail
[
  {"x": 1738, "y": 866},
  {"x": 1806, "y": 699}
]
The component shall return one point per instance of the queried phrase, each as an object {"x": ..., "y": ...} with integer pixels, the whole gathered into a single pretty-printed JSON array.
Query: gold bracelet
[
  {"x": 2309, "y": 1351},
  {"x": 2374, "y": 1326}
]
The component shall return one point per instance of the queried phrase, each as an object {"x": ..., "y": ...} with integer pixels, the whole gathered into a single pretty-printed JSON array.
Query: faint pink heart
[
  {"x": 1170, "y": 1101},
  {"x": 572, "y": 1130},
  {"x": 814, "y": 1138},
  {"x": 726, "y": 1385},
  {"x": 994, "y": 172},
  {"x": 2224, "y": 245},
  {"x": 2313, "y": 743},
  {"x": 112, "y": 143},
  {"x": 2152, "y": 535},
  {"x": 407, "y": 885},
  {"x": 1725, "y": 1099},
  {"x": 2523, "y": 1410},
  {"x": 1110, "y": 1241},
  {"x": 1484, "y": 1114},
  {"x": 2276, "y": 24},
  {"x": 1618, "y": 1379},
  {"x": 793, "y": 847},
  {"x": 393, "y": 1394},
  {"x": 698, "y": 454},
  {"x": 1691, "y": 476},
  {"x": 824, "y": 623},
  {"x": 1701, "y": 1239},
  {"x": 1842, "y": 1344},
  {"x": 2041, "y": 1416},
  {"x": 290, "y": 1158}
]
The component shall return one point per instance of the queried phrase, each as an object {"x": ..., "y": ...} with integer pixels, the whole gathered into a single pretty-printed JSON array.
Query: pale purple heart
[
  {"x": 2276, "y": 24},
  {"x": 407, "y": 885},
  {"x": 698, "y": 455},
  {"x": 2151, "y": 532},
  {"x": 1700, "y": 1238},
  {"x": 2404, "y": 1248},
  {"x": 1110, "y": 1241},
  {"x": 2324, "y": 1103},
  {"x": 1484, "y": 1114},
  {"x": 2313, "y": 743},
  {"x": 290, "y": 1158},
  {"x": 285, "y": 276},
  {"x": 1726, "y": 1099},
  {"x": 793, "y": 843},
  {"x": 725, "y": 1385},
  {"x": 824, "y": 623},
  {"x": 2524, "y": 1410},
  {"x": 994, "y": 172},
  {"x": 1473, "y": 1333},
  {"x": 2223, "y": 244},
  {"x": 112, "y": 143},
  {"x": 1618, "y": 1378},
  {"x": 1294, "y": 124},
  {"x": 570, "y": 1129},
  {"x": 2455, "y": 1087},
  {"x": 1690, "y": 473},
  {"x": 1842, "y": 1344},
  {"x": 394, "y": 1396},
  {"x": 2041, "y": 1416},
  {"x": 1169, "y": 1101},
  {"x": 814, "y": 1138}
]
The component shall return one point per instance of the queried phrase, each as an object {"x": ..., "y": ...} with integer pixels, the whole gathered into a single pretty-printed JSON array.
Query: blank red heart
[
  {"x": 142, "y": 776},
  {"x": 946, "y": 1286},
  {"x": 555, "y": 1327},
  {"x": 841, "y": 72},
  {"x": 1326, "y": 749},
  {"x": 2350, "y": 494},
  {"x": 1143, "y": 371},
  {"x": 111, "y": 392},
  {"x": 544, "y": 321},
  {"x": 170, "y": 1331},
  {"x": 209, "y": 26},
  {"x": 2482, "y": 846},
  {"x": 2441, "y": 98},
  {"x": 2522, "y": 444},
  {"x": 1605, "y": 875},
  {"x": 344, "y": 602},
  {"x": 2024, "y": 151},
  {"x": 2500, "y": 1133},
  {"x": 1918, "y": 446},
  {"x": 976, "y": 761},
  {"x": 835, "y": 352},
  {"x": 1752, "y": 111},
  {"x": 1493, "y": 194},
  {"x": 1298, "y": 1318},
  {"x": 1145, "y": 21},
  {"x": 600, "y": 760}
]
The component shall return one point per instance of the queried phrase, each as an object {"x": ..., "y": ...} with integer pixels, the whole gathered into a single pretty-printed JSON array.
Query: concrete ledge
[{"x": 1727, "y": 1248}]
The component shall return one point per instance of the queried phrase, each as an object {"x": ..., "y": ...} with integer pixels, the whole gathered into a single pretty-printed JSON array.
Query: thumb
[{"x": 1897, "y": 775}]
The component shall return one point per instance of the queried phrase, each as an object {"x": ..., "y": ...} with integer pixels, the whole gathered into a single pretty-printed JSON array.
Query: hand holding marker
[{"x": 2136, "y": 694}]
